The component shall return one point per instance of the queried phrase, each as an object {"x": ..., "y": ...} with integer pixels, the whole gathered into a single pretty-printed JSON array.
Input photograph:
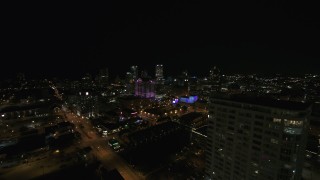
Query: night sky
[{"x": 244, "y": 37}]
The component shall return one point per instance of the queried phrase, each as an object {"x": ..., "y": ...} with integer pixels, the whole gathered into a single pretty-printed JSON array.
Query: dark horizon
[{"x": 244, "y": 37}]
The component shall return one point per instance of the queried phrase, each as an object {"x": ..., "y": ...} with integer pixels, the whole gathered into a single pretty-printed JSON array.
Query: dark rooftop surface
[
  {"x": 154, "y": 131},
  {"x": 188, "y": 118},
  {"x": 13, "y": 108},
  {"x": 268, "y": 102}
]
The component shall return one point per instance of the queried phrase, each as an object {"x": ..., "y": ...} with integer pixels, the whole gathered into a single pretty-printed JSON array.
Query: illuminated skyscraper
[
  {"x": 159, "y": 71},
  {"x": 159, "y": 74},
  {"x": 134, "y": 72},
  {"x": 145, "y": 88},
  {"x": 215, "y": 79},
  {"x": 251, "y": 139}
]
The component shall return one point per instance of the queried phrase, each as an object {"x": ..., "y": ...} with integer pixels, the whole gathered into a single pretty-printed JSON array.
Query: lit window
[
  {"x": 276, "y": 120},
  {"x": 293, "y": 123}
]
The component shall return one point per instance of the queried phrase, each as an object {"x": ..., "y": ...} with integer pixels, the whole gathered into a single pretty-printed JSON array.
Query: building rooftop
[
  {"x": 268, "y": 102},
  {"x": 13, "y": 108},
  {"x": 154, "y": 132},
  {"x": 188, "y": 118}
]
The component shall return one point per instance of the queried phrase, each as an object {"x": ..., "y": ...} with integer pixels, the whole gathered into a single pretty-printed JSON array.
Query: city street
[{"x": 109, "y": 159}]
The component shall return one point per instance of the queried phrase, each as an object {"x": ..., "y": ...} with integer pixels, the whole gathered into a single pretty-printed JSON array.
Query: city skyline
[
  {"x": 152, "y": 90},
  {"x": 150, "y": 70}
]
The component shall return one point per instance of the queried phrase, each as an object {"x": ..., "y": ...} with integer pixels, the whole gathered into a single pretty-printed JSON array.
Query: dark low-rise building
[{"x": 193, "y": 119}]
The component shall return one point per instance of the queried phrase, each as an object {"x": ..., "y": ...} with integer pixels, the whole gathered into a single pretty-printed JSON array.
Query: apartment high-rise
[{"x": 256, "y": 138}]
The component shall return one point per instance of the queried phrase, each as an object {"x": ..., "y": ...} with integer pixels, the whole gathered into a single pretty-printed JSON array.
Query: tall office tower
[
  {"x": 86, "y": 82},
  {"x": 214, "y": 74},
  {"x": 85, "y": 104},
  {"x": 159, "y": 71},
  {"x": 144, "y": 74},
  {"x": 255, "y": 138},
  {"x": 215, "y": 79},
  {"x": 129, "y": 78},
  {"x": 134, "y": 72},
  {"x": 103, "y": 77},
  {"x": 159, "y": 75},
  {"x": 185, "y": 74},
  {"x": 130, "y": 83},
  {"x": 193, "y": 86},
  {"x": 21, "y": 79}
]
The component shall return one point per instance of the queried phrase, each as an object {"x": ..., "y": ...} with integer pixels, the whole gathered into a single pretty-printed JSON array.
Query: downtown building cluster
[{"x": 237, "y": 126}]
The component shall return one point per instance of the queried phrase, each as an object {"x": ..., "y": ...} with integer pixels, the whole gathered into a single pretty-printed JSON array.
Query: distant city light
[{"x": 175, "y": 101}]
